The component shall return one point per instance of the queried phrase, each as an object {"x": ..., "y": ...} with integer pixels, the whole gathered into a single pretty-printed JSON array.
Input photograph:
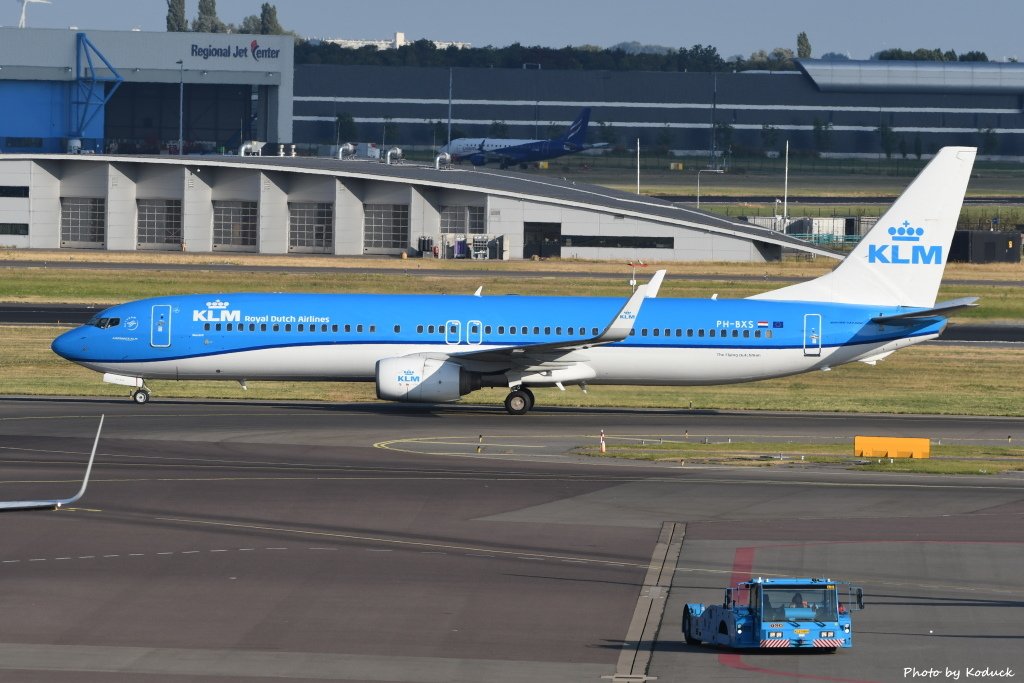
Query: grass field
[{"x": 954, "y": 380}]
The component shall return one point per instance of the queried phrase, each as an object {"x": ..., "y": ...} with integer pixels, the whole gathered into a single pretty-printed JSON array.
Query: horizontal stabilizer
[{"x": 940, "y": 309}]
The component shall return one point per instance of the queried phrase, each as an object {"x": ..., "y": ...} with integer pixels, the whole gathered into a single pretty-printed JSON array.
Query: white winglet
[
  {"x": 618, "y": 329},
  {"x": 57, "y": 503},
  {"x": 479, "y": 291}
]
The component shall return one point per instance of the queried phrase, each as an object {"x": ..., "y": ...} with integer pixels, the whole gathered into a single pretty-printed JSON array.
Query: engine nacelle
[{"x": 417, "y": 379}]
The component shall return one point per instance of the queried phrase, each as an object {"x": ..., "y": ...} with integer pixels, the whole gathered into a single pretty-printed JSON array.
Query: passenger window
[
  {"x": 419, "y": 329},
  {"x": 700, "y": 332},
  {"x": 593, "y": 331},
  {"x": 373, "y": 328},
  {"x": 679, "y": 332},
  {"x": 735, "y": 333},
  {"x": 230, "y": 327},
  {"x": 398, "y": 328},
  {"x": 277, "y": 328},
  {"x": 501, "y": 329},
  {"x": 452, "y": 329},
  {"x": 348, "y": 328},
  {"x": 487, "y": 329},
  {"x": 288, "y": 327},
  {"x": 757, "y": 334},
  {"x": 474, "y": 329},
  {"x": 524, "y": 330},
  {"x": 668, "y": 332},
  {"x": 746, "y": 334},
  {"x": 768, "y": 334},
  {"x": 218, "y": 327},
  {"x": 252, "y": 327},
  {"x": 689, "y": 332},
  {"x": 359, "y": 328},
  {"x": 547, "y": 330},
  {"x": 430, "y": 329},
  {"x": 657, "y": 332},
  {"x": 206, "y": 327},
  {"x": 632, "y": 332},
  {"x": 571, "y": 331},
  {"x": 263, "y": 327},
  {"x": 302, "y": 328},
  {"x": 334, "y": 328},
  {"x": 711, "y": 333},
  {"x": 536, "y": 330},
  {"x": 323, "y": 328},
  {"x": 558, "y": 330}
]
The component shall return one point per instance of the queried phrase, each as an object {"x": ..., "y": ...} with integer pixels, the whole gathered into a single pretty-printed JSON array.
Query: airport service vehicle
[
  {"x": 510, "y": 151},
  {"x": 806, "y": 614},
  {"x": 436, "y": 349}
]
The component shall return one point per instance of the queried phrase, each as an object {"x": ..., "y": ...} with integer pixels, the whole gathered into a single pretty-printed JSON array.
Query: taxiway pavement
[{"x": 237, "y": 541}]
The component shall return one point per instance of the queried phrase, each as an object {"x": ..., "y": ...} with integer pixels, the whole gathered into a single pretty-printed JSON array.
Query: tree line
[{"x": 627, "y": 56}]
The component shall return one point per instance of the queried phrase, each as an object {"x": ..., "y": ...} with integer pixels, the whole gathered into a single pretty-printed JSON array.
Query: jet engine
[{"x": 418, "y": 379}]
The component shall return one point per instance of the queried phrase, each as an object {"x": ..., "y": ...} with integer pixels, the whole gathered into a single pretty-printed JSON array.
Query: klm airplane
[
  {"x": 511, "y": 151},
  {"x": 436, "y": 349}
]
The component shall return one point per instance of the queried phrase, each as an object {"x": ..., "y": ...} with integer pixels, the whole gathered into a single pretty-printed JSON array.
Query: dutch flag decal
[{"x": 762, "y": 323}]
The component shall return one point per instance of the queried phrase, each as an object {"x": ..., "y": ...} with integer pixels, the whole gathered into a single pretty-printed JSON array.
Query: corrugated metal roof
[{"x": 864, "y": 75}]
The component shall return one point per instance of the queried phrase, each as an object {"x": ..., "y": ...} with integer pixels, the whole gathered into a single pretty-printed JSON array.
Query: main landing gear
[
  {"x": 141, "y": 395},
  {"x": 519, "y": 401}
]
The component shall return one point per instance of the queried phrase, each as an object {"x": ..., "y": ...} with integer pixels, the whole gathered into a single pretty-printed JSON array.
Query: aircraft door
[
  {"x": 160, "y": 326},
  {"x": 452, "y": 332},
  {"x": 812, "y": 334},
  {"x": 474, "y": 332}
]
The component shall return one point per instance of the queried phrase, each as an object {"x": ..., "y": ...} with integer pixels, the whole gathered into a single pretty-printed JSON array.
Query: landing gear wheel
[
  {"x": 529, "y": 395},
  {"x": 518, "y": 402},
  {"x": 140, "y": 396},
  {"x": 687, "y": 634}
]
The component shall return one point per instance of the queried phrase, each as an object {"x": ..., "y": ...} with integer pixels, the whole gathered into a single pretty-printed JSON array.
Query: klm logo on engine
[
  {"x": 409, "y": 376},
  {"x": 905, "y": 248},
  {"x": 216, "y": 312}
]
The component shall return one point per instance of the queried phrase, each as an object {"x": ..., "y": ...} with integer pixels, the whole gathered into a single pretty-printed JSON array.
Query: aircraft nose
[{"x": 70, "y": 345}]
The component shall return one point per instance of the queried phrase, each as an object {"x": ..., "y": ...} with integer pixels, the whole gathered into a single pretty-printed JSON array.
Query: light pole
[
  {"x": 181, "y": 103},
  {"x": 705, "y": 170}
]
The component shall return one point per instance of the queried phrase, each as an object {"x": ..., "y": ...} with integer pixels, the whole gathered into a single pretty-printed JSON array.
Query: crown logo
[
  {"x": 905, "y": 233},
  {"x": 218, "y": 304}
]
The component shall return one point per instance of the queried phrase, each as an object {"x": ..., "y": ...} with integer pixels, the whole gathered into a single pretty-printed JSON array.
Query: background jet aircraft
[{"x": 510, "y": 151}]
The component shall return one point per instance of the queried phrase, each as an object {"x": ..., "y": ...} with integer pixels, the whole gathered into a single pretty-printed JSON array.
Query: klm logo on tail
[{"x": 904, "y": 248}]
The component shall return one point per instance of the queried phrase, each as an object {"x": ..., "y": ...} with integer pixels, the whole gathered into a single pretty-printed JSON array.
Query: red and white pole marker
[{"x": 603, "y": 450}]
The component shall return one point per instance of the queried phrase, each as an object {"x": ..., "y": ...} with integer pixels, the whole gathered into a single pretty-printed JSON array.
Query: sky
[{"x": 858, "y": 28}]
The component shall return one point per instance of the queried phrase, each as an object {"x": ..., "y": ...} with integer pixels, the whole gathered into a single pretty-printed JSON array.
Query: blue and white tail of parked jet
[
  {"x": 510, "y": 151},
  {"x": 435, "y": 349}
]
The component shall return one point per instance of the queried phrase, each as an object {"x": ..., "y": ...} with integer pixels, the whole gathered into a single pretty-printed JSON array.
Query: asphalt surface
[
  {"x": 225, "y": 541},
  {"x": 60, "y": 314}
]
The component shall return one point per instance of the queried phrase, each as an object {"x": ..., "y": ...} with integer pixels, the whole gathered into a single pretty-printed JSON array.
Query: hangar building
[{"x": 279, "y": 205}]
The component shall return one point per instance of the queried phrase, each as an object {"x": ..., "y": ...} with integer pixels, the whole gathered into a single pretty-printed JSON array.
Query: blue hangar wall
[{"x": 35, "y": 117}]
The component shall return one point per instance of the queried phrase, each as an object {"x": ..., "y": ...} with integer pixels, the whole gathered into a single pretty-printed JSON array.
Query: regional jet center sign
[{"x": 253, "y": 51}]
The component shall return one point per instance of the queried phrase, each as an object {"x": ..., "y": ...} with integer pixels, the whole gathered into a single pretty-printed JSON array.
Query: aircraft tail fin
[
  {"x": 901, "y": 260},
  {"x": 576, "y": 133}
]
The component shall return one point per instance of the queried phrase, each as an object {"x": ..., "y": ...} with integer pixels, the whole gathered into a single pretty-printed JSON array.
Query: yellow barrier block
[
  {"x": 891, "y": 447},
  {"x": 542, "y": 165},
  {"x": 675, "y": 166}
]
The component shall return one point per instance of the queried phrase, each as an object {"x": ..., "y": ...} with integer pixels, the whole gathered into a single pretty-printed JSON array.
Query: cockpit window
[{"x": 103, "y": 323}]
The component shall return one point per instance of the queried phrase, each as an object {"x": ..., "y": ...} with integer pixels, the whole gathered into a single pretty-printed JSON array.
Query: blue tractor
[{"x": 806, "y": 614}]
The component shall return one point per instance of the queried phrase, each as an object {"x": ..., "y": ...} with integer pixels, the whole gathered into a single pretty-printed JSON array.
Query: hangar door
[{"x": 542, "y": 239}]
